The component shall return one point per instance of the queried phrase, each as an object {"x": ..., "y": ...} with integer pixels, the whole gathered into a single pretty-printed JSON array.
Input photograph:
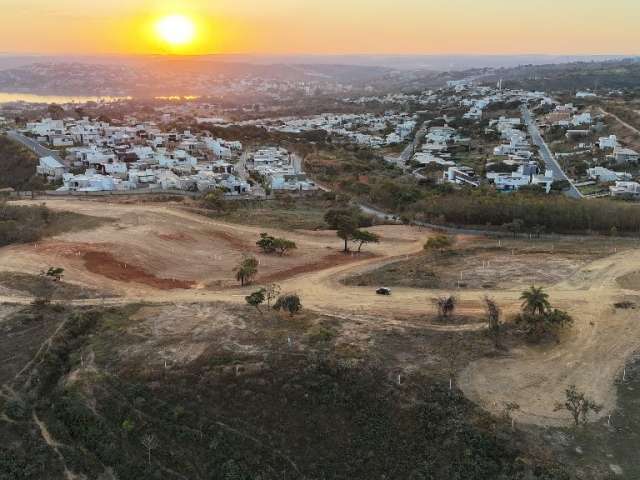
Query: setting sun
[{"x": 176, "y": 30}]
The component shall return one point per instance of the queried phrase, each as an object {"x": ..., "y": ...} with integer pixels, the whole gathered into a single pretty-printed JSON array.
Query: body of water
[{"x": 60, "y": 99}]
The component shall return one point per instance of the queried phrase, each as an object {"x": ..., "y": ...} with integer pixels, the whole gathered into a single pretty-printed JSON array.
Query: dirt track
[{"x": 168, "y": 243}]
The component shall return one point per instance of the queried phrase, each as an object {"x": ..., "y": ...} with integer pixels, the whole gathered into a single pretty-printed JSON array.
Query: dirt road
[
  {"x": 590, "y": 356},
  {"x": 620, "y": 121}
]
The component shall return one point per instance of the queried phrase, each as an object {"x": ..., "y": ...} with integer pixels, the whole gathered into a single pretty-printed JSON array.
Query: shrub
[
  {"x": 16, "y": 409},
  {"x": 288, "y": 303}
]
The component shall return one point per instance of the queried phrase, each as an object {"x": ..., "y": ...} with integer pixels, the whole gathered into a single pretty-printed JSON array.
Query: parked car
[{"x": 383, "y": 291}]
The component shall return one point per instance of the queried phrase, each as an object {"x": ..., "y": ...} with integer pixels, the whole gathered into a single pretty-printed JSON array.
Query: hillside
[
  {"x": 614, "y": 74},
  {"x": 105, "y": 400},
  {"x": 18, "y": 166}
]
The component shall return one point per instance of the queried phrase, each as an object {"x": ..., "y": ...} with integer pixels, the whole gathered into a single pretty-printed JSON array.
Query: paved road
[
  {"x": 407, "y": 153},
  {"x": 241, "y": 170},
  {"x": 34, "y": 146},
  {"x": 549, "y": 160}
]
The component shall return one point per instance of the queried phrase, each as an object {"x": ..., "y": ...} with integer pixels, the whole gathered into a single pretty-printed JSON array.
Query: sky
[{"x": 325, "y": 26}]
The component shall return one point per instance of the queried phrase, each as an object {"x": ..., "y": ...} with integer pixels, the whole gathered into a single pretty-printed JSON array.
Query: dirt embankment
[{"x": 105, "y": 264}]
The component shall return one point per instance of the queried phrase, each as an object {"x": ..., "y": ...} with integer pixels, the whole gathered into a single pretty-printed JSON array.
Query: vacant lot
[
  {"x": 150, "y": 248},
  {"x": 484, "y": 263}
]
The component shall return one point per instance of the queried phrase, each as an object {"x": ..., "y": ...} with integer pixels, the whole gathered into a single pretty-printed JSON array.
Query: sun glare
[{"x": 176, "y": 30}]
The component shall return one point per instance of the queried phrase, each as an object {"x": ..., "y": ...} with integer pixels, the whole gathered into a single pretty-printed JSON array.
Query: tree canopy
[{"x": 246, "y": 270}]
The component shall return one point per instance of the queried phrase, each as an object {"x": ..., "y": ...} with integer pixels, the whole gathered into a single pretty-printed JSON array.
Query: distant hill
[
  {"x": 168, "y": 76},
  {"x": 612, "y": 74},
  {"x": 442, "y": 63}
]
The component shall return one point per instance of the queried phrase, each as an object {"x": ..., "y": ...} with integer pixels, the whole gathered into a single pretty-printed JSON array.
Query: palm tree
[
  {"x": 535, "y": 301},
  {"x": 247, "y": 269}
]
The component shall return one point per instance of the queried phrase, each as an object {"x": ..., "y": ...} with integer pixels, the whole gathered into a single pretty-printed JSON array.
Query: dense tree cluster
[{"x": 555, "y": 212}]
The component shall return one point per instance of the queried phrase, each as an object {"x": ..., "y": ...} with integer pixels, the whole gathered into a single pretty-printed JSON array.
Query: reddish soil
[
  {"x": 175, "y": 237},
  {"x": 323, "y": 264},
  {"x": 103, "y": 263},
  {"x": 233, "y": 241}
]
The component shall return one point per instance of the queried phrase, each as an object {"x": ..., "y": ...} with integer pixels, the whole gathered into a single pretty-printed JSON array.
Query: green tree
[
  {"x": 439, "y": 242},
  {"x": 266, "y": 243},
  {"x": 538, "y": 317},
  {"x": 56, "y": 273},
  {"x": 345, "y": 222},
  {"x": 535, "y": 301},
  {"x": 256, "y": 299},
  {"x": 283, "y": 246},
  {"x": 289, "y": 303},
  {"x": 363, "y": 237},
  {"x": 269, "y": 244},
  {"x": 578, "y": 405},
  {"x": 246, "y": 270}
]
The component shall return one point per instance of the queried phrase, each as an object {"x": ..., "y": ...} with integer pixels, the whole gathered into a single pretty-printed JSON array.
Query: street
[
  {"x": 34, "y": 146},
  {"x": 407, "y": 153},
  {"x": 548, "y": 158}
]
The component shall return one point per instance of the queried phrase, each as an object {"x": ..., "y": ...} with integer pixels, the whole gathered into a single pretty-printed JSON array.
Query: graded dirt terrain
[
  {"x": 159, "y": 254},
  {"x": 147, "y": 248}
]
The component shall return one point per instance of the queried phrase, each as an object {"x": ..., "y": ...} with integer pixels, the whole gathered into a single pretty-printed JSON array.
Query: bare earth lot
[{"x": 160, "y": 254}]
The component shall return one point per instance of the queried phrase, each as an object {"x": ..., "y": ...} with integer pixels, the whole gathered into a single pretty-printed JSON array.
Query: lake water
[{"x": 60, "y": 99}]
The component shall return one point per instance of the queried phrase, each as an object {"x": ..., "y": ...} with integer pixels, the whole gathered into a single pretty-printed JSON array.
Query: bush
[
  {"x": 288, "y": 303},
  {"x": 320, "y": 334},
  {"x": 17, "y": 409}
]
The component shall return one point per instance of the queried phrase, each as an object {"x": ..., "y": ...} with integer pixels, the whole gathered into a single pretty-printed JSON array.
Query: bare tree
[
  {"x": 493, "y": 319},
  {"x": 578, "y": 405},
  {"x": 150, "y": 442},
  {"x": 272, "y": 292},
  {"x": 445, "y": 306},
  {"x": 509, "y": 409}
]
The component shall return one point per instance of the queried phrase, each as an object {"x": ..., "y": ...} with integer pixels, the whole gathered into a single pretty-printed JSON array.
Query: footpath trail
[{"x": 590, "y": 356}]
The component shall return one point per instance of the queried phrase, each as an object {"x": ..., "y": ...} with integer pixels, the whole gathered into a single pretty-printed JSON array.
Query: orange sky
[{"x": 326, "y": 26}]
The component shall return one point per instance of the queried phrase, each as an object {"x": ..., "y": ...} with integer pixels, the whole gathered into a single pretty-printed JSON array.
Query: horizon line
[{"x": 249, "y": 54}]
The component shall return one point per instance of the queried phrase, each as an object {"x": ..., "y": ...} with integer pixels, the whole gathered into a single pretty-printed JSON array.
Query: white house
[
  {"x": 602, "y": 174},
  {"x": 525, "y": 175},
  {"x": 609, "y": 142},
  {"x": 625, "y": 189},
  {"x": 625, "y": 155},
  {"x": 424, "y": 158},
  {"x": 51, "y": 168},
  {"x": 461, "y": 176},
  {"x": 142, "y": 177},
  {"x": 91, "y": 182},
  {"x": 581, "y": 119}
]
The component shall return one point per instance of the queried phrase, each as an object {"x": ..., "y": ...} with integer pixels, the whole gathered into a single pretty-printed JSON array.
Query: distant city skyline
[{"x": 567, "y": 27}]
